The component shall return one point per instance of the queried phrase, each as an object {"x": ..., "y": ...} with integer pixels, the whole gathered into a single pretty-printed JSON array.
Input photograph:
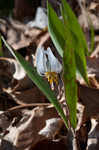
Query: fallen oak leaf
[{"x": 15, "y": 68}]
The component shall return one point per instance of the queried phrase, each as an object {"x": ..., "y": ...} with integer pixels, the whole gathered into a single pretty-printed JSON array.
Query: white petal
[
  {"x": 41, "y": 61},
  {"x": 55, "y": 64}
]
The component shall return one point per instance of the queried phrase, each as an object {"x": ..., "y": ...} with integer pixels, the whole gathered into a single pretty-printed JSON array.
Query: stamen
[{"x": 52, "y": 77}]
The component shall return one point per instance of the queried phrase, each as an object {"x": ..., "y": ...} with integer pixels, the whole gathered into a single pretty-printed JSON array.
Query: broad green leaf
[
  {"x": 58, "y": 34},
  {"x": 79, "y": 48},
  {"x": 70, "y": 81},
  {"x": 56, "y": 30},
  {"x": 74, "y": 25},
  {"x": 69, "y": 69},
  {"x": 39, "y": 82},
  {"x": 80, "y": 59},
  {"x": 81, "y": 62}
]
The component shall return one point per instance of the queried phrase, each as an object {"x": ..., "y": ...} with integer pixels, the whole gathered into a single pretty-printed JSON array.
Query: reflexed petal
[
  {"x": 55, "y": 64},
  {"x": 47, "y": 62},
  {"x": 41, "y": 61}
]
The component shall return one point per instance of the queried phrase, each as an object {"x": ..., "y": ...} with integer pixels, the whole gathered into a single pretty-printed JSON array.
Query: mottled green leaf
[
  {"x": 81, "y": 62},
  {"x": 69, "y": 67},
  {"x": 56, "y": 30},
  {"x": 78, "y": 42},
  {"x": 74, "y": 25}
]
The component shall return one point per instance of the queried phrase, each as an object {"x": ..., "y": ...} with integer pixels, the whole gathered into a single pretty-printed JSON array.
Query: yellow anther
[
  {"x": 52, "y": 77},
  {"x": 45, "y": 29}
]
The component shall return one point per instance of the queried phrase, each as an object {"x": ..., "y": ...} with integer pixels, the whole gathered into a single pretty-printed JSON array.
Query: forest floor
[{"x": 28, "y": 121}]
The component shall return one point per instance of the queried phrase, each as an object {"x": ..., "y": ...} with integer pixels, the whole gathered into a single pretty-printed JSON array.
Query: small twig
[{"x": 29, "y": 105}]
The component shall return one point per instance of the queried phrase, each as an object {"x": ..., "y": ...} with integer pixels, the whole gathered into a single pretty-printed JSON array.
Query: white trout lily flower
[{"x": 48, "y": 65}]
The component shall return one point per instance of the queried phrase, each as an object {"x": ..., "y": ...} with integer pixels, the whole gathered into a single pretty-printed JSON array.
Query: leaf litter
[{"x": 27, "y": 119}]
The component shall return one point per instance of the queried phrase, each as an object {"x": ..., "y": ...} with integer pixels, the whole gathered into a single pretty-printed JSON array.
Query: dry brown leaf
[
  {"x": 12, "y": 71},
  {"x": 94, "y": 7},
  {"x": 41, "y": 19},
  {"x": 27, "y": 96},
  {"x": 93, "y": 138},
  {"x": 89, "y": 97},
  {"x": 4, "y": 121},
  {"x": 49, "y": 131},
  {"x": 6, "y": 145},
  {"x": 25, "y": 8},
  {"x": 21, "y": 85},
  {"x": 5, "y": 73},
  {"x": 18, "y": 34},
  {"x": 14, "y": 68},
  {"x": 91, "y": 11},
  {"x": 26, "y": 132},
  {"x": 50, "y": 145},
  {"x": 92, "y": 70},
  {"x": 6, "y": 101},
  {"x": 96, "y": 51},
  {"x": 93, "y": 67}
]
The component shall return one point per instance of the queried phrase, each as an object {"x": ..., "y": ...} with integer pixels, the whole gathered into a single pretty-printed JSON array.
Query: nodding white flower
[{"x": 47, "y": 64}]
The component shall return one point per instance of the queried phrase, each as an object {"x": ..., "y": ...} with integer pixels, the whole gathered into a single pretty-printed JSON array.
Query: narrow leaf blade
[
  {"x": 81, "y": 63},
  {"x": 56, "y": 30},
  {"x": 70, "y": 83},
  {"x": 74, "y": 25},
  {"x": 39, "y": 82},
  {"x": 69, "y": 68}
]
